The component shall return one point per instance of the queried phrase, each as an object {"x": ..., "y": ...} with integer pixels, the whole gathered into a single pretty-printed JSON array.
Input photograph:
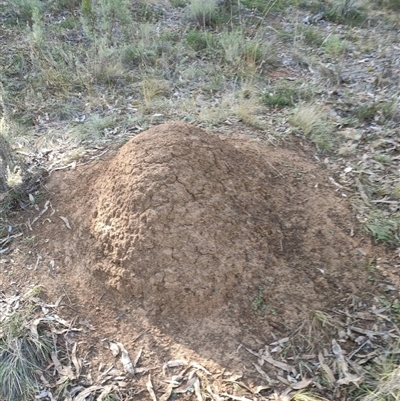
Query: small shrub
[
  {"x": 12, "y": 172},
  {"x": 253, "y": 52},
  {"x": 70, "y": 5},
  {"x": 94, "y": 127},
  {"x": 259, "y": 5},
  {"x": 313, "y": 5},
  {"x": 69, "y": 22},
  {"x": 106, "y": 65}
]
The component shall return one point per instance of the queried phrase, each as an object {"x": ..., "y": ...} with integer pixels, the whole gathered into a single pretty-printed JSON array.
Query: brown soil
[{"x": 204, "y": 242}]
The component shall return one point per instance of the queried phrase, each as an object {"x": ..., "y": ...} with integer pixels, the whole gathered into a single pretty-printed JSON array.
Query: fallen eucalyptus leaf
[
  {"x": 150, "y": 389},
  {"x": 65, "y": 220},
  {"x": 126, "y": 360}
]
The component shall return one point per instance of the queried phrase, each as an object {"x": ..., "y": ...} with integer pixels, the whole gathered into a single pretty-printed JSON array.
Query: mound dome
[
  {"x": 181, "y": 217},
  {"x": 191, "y": 223}
]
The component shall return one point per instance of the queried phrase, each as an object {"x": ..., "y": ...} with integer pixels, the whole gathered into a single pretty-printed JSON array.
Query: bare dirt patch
[{"x": 199, "y": 241}]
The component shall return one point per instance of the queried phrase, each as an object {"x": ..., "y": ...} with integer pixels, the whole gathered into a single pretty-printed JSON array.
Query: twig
[{"x": 139, "y": 335}]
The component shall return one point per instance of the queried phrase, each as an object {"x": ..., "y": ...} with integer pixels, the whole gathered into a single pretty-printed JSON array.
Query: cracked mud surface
[
  {"x": 182, "y": 220},
  {"x": 188, "y": 222}
]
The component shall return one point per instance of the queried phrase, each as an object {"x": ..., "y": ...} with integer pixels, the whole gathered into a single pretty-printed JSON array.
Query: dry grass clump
[
  {"x": 152, "y": 88},
  {"x": 202, "y": 11},
  {"x": 383, "y": 382},
  {"x": 243, "y": 53},
  {"x": 314, "y": 123}
]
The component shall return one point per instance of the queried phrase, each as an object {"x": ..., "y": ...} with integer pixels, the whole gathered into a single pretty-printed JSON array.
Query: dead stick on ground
[
  {"x": 362, "y": 193},
  {"x": 139, "y": 335}
]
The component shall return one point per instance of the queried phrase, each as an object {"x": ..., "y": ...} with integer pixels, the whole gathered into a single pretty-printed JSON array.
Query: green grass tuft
[
  {"x": 384, "y": 227},
  {"x": 204, "y": 12},
  {"x": 199, "y": 40},
  {"x": 23, "y": 351},
  {"x": 286, "y": 94}
]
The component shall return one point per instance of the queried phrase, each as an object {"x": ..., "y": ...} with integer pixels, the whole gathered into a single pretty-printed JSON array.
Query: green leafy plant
[{"x": 257, "y": 302}]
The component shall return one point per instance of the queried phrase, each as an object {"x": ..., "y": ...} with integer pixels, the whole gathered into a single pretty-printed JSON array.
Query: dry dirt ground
[{"x": 188, "y": 244}]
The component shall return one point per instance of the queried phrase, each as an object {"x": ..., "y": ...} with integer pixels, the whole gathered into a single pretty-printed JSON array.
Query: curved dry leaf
[
  {"x": 65, "y": 220},
  {"x": 44, "y": 210},
  {"x": 281, "y": 365},
  {"x": 174, "y": 363},
  {"x": 85, "y": 393},
  {"x": 199, "y": 367},
  {"x": 301, "y": 384},
  {"x": 197, "y": 389},
  {"x": 150, "y": 389},
  {"x": 64, "y": 371},
  {"x": 326, "y": 368},
  {"x": 76, "y": 361},
  {"x": 262, "y": 373},
  {"x": 234, "y": 397},
  {"x": 213, "y": 395},
  {"x": 106, "y": 390},
  {"x": 126, "y": 360},
  {"x": 188, "y": 386},
  {"x": 168, "y": 392}
]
